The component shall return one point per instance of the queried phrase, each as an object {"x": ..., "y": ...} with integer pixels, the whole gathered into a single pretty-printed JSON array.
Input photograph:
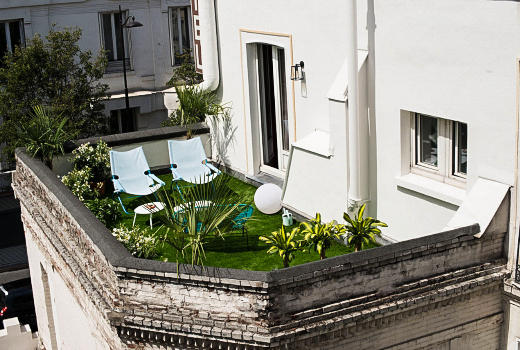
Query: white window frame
[
  {"x": 445, "y": 171},
  {"x": 10, "y": 47},
  {"x": 126, "y": 38},
  {"x": 179, "y": 28},
  {"x": 454, "y": 151}
]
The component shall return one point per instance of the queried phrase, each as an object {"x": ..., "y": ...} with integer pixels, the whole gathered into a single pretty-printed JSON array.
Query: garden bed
[{"x": 235, "y": 250}]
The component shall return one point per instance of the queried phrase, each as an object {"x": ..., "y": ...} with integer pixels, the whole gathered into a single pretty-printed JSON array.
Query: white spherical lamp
[{"x": 268, "y": 198}]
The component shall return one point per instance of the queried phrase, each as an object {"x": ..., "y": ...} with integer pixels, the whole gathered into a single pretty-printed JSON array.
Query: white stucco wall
[
  {"x": 316, "y": 31},
  {"x": 449, "y": 59},
  {"x": 74, "y": 328}
]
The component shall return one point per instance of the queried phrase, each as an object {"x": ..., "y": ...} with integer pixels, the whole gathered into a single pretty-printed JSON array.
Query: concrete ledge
[{"x": 142, "y": 136}]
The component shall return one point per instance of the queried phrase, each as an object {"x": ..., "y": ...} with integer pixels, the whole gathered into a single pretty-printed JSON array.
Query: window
[
  {"x": 113, "y": 41},
  {"x": 180, "y": 32},
  {"x": 121, "y": 123},
  {"x": 439, "y": 148},
  {"x": 11, "y": 35}
]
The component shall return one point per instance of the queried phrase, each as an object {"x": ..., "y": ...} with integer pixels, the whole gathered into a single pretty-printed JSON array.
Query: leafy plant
[
  {"x": 55, "y": 72},
  {"x": 362, "y": 231},
  {"x": 194, "y": 105},
  {"x": 141, "y": 242},
  {"x": 320, "y": 235},
  {"x": 43, "y": 134},
  {"x": 106, "y": 210},
  {"x": 78, "y": 181},
  {"x": 283, "y": 243},
  {"x": 97, "y": 158},
  {"x": 203, "y": 211},
  {"x": 185, "y": 74}
]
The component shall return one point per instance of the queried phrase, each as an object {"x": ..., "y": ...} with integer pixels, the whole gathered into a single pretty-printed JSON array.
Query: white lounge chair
[
  {"x": 188, "y": 161},
  {"x": 131, "y": 174}
]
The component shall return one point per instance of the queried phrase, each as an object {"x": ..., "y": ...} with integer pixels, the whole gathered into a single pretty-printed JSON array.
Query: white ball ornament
[{"x": 268, "y": 198}]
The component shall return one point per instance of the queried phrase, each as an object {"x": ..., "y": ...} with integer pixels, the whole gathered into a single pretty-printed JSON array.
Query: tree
[
  {"x": 185, "y": 74},
  {"x": 53, "y": 72}
]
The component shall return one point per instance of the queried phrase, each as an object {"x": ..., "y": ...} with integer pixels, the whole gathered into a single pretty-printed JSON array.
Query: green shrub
[
  {"x": 362, "y": 231},
  {"x": 78, "y": 181},
  {"x": 97, "y": 158},
  {"x": 283, "y": 243},
  {"x": 141, "y": 242},
  {"x": 194, "y": 105},
  {"x": 185, "y": 74},
  {"x": 43, "y": 134},
  {"x": 106, "y": 210},
  {"x": 320, "y": 235}
]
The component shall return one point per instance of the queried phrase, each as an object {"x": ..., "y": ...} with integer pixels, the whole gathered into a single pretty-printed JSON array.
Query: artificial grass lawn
[{"x": 232, "y": 251}]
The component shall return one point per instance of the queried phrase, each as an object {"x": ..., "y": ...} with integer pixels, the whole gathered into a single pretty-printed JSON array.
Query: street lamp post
[{"x": 129, "y": 22}]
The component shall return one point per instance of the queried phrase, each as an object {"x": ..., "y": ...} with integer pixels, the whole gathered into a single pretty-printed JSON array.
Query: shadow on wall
[
  {"x": 428, "y": 199},
  {"x": 222, "y": 136}
]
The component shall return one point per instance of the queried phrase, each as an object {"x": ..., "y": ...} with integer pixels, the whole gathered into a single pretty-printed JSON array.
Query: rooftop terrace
[{"x": 326, "y": 301}]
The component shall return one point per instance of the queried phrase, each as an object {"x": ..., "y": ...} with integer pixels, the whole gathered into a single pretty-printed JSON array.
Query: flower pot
[{"x": 99, "y": 187}]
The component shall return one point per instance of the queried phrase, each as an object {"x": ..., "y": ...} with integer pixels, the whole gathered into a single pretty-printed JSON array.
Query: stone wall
[{"x": 434, "y": 292}]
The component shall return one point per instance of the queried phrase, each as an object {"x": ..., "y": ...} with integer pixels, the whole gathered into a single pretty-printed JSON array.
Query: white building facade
[{"x": 409, "y": 106}]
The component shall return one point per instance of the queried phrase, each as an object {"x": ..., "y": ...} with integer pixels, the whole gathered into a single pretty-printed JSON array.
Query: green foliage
[
  {"x": 97, "y": 158},
  {"x": 106, "y": 210},
  {"x": 194, "y": 105},
  {"x": 52, "y": 72},
  {"x": 362, "y": 231},
  {"x": 78, "y": 181},
  {"x": 43, "y": 134},
  {"x": 320, "y": 235},
  {"x": 140, "y": 241},
  {"x": 204, "y": 211},
  {"x": 283, "y": 243},
  {"x": 91, "y": 165},
  {"x": 185, "y": 74}
]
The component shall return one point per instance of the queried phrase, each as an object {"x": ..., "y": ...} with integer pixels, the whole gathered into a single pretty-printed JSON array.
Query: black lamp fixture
[
  {"x": 297, "y": 72},
  {"x": 129, "y": 22}
]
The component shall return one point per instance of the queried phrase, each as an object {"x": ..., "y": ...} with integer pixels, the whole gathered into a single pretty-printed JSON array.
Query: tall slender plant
[
  {"x": 362, "y": 231},
  {"x": 320, "y": 235}
]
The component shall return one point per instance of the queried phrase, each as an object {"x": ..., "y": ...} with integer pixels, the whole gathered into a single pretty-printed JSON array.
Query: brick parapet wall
[{"x": 149, "y": 302}]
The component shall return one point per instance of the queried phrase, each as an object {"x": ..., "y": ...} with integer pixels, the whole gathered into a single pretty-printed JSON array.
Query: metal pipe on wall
[{"x": 356, "y": 190}]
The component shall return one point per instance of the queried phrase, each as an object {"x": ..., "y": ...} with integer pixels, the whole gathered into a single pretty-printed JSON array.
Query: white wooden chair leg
[{"x": 133, "y": 223}]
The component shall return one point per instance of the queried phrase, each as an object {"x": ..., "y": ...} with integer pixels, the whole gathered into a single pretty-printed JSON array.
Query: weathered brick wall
[
  {"x": 71, "y": 253},
  {"x": 379, "y": 272},
  {"x": 432, "y": 292}
]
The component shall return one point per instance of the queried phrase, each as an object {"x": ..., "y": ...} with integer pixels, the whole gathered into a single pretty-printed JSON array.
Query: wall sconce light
[{"x": 297, "y": 72}]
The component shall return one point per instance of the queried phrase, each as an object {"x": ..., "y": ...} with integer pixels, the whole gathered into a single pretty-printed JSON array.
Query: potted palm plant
[
  {"x": 283, "y": 243},
  {"x": 44, "y": 134},
  {"x": 362, "y": 231},
  {"x": 320, "y": 235}
]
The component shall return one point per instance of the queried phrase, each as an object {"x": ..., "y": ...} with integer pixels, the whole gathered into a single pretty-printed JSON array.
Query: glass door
[{"x": 274, "y": 125}]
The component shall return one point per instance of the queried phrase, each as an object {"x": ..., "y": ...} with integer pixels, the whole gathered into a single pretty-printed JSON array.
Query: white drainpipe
[
  {"x": 209, "y": 46},
  {"x": 356, "y": 191}
]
